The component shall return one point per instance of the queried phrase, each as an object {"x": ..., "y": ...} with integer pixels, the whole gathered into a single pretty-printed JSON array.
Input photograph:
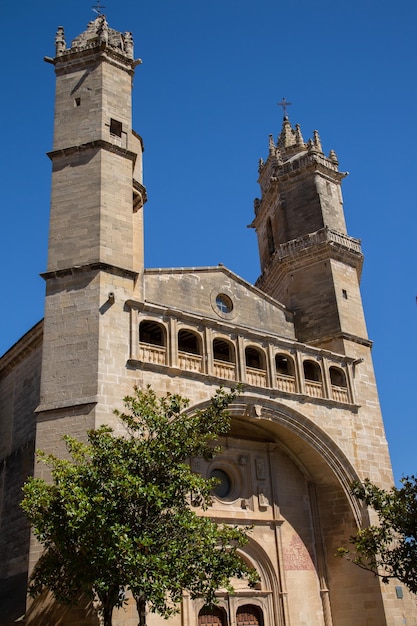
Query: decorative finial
[
  {"x": 298, "y": 136},
  {"x": 60, "y": 44},
  {"x": 271, "y": 145},
  {"x": 333, "y": 157},
  {"x": 284, "y": 104},
  {"x": 316, "y": 141},
  {"x": 98, "y": 7},
  {"x": 128, "y": 44}
]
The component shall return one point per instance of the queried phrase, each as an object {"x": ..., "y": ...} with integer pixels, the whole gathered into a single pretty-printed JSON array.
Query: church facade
[{"x": 308, "y": 422}]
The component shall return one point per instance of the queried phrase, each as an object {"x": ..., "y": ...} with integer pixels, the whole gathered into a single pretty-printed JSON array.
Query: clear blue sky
[{"x": 204, "y": 102}]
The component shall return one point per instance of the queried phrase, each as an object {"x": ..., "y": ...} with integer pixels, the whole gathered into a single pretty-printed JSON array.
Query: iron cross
[
  {"x": 284, "y": 104},
  {"x": 98, "y": 7}
]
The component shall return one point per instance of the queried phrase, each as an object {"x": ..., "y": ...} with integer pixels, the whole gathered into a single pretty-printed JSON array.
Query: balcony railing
[
  {"x": 320, "y": 236},
  {"x": 152, "y": 354},
  {"x": 340, "y": 394},
  {"x": 314, "y": 388},
  {"x": 190, "y": 362},
  {"x": 224, "y": 369},
  {"x": 256, "y": 377},
  {"x": 286, "y": 383}
]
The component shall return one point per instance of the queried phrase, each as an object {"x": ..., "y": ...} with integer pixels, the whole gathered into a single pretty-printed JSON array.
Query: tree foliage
[
  {"x": 117, "y": 515},
  {"x": 388, "y": 549}
]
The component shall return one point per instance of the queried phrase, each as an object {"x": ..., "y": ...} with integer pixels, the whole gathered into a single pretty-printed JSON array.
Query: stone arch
[
  {"x": 255, "y": 357},
  {"x": 267, "y": 598},
  {"x": 224, "y": 349},
  {"x": 337, "y": 376},
  {"x": 189, "y": 341},
  {"x": 256, "y": 556},
  {"x": 212, "y": 616},
  {"x": 309, "y": 446},
  {"x": 152, "y": 332},
  {"x": 249, "y": 615},
  {"x": 312, "y": 511}
]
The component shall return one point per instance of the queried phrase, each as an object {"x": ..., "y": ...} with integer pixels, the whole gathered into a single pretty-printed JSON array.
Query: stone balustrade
[
  {"x": 190, "y": 362},
  {"x": 314, "y": 388},
  {"x": 286, "y": 383},
  {"x": 152, "y": 354},
  {"x": 261, "y": 362},
  {"x": 340, "y": 394},
  {"x": 256, "y": 377},
  {"x": 222, "y": 369},
  {"x": 312, "y": 239}
]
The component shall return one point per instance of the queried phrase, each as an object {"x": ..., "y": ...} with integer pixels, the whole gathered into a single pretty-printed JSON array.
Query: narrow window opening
[
  {"x": 115, "y": 127},
  {"x": 344, "y": 293},
  {"x": 270, "y": 236},
  {"x": 77, "y": 102}
]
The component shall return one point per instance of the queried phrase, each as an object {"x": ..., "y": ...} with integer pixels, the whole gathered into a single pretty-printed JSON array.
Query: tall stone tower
[
  {"x": 95, "y": 260},
  {"x": 308, "y": 261}
]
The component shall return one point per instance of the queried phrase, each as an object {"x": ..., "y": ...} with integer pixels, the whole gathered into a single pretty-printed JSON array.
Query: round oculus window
[
  {"x": 224, "y": 486},
  {"x": 224, "y": 303}
]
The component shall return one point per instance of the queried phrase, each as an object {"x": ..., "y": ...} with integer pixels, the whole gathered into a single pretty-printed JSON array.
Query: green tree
[
  {"x": 388, "y": 549},
  {"x": 121, "y": 514}
]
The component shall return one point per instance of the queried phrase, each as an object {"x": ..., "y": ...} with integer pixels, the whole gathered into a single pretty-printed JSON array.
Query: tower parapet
[{"x": 98, "y": 33}]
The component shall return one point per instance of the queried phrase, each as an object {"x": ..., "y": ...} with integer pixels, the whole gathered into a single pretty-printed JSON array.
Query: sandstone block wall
[{"x": 19, "y": 397}]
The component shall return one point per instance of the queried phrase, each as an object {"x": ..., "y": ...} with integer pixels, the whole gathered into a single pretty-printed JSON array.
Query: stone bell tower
[
  {"x": 308, "y": 260},
  {"x": 95, "y": 260}
]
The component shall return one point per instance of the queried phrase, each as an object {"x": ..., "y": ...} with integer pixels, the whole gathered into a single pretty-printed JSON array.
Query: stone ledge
[
  {"x": 69, "y": 407},
  {"x": 98, "y": 144},
  {"x": 95, "y": 266}
]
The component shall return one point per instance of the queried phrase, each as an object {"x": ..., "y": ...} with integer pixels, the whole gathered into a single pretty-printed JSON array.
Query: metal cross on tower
[
  {"x": 98, "y": 7},
  {"x": 284, "y": 104}
]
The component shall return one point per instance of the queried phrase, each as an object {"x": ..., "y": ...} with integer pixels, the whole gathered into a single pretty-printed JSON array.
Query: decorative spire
[
  {"x": 298, "y": 136},
  {"x": 271, "y": 145},
  {"x": 316, "y": 141},
  {"x": 103, "y": 30},
  {"x": 128, "y": 45},
  {"x": 286, "y": 138},
  {"x": 333, "y": 157},
  {"x": 60, "y": 44}
]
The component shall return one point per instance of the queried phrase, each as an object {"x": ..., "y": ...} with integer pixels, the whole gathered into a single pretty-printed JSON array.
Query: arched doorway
[
  {"x": 249, "y": 615},
  {"x": 212, "y": 616}
]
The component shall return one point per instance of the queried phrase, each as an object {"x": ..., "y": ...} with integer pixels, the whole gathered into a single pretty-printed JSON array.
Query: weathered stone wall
[
  {"x": 19, "y": 397},
  {"x": 195, "y": 290}
]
